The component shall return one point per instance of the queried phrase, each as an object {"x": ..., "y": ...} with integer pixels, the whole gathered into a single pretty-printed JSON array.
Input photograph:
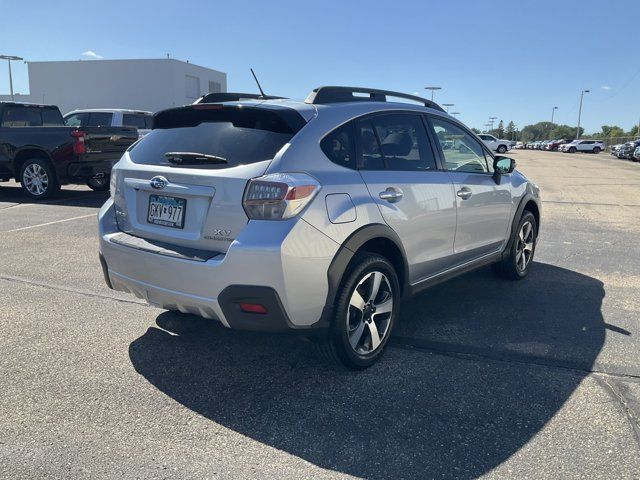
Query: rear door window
[
  {"x": 51, "y": 117},
  {"x": 99, "y": 119},
  {"x": 137, "y": 120},
  {"x": 237, "y": 136}
]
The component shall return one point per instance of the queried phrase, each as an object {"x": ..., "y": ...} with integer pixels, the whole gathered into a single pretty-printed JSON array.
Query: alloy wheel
[
  {"x": 35, "y": 179},
  {"x": 369, "y": 313},
  {"x": 524, "y": 246}
]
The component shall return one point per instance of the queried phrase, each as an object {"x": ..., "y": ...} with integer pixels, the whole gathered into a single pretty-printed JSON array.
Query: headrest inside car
[{"x": 397, "y": 145}]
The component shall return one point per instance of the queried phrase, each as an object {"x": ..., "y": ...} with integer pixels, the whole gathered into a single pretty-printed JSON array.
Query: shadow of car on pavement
[
  {"x": 12, "y": 193},
  {"x": 415, "y": 414}
]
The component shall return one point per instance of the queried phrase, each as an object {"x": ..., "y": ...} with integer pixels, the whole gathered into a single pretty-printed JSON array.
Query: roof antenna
[{"x": 256, "y": 79}]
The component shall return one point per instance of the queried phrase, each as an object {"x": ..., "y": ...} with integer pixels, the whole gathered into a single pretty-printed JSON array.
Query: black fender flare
[
  {"x": 345, "y": 254},
  {"x": 516, "y": 219}
]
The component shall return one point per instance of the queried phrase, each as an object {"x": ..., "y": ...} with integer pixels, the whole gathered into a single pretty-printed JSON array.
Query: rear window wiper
[{"x": 193, "y": 158}]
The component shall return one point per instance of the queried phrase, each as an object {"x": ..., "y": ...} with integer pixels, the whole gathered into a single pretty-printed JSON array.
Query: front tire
[
  {"x": 365, "y": 312},
  {"x": 516, "y": 265},
  {"x": 596, "y": 150},
  {"x": 502, "y": 149},
  {"x": 572, "y": 150},
  {"x": 38, "y": 179}
]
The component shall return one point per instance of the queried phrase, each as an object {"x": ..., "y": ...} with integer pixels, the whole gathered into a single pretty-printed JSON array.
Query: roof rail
[
  {"x": 322, "y": 95},
  {"x": 233, "y": 97}
]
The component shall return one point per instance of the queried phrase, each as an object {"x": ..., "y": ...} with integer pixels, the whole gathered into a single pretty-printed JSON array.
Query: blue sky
[{"x": 513, "y": 60}]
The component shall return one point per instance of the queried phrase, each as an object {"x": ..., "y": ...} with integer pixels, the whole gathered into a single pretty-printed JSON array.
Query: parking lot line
[{"x": 50, "y": 223}]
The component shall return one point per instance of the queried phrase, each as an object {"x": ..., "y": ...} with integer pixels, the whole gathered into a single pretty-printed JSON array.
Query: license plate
[{"x": 166, "y": 211}]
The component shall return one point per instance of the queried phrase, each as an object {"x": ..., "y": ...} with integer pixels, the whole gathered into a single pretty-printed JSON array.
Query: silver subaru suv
[{"x": 313, "y": 217}]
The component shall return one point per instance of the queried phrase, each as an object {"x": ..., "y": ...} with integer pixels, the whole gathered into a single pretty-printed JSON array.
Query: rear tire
[
  {"x": 365, "y": 312},
  {"x": 502, "y": 149},
  {"x": 38, "y": 179},
  {"x": 98, "y": 184},
  {"x": 572, "y": 150},
  {"x": 596, "y": 150},
  {"x": 516, "y": 265}
]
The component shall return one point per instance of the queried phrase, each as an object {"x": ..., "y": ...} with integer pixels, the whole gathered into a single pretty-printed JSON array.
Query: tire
[
  {"x": 502, "y": 149},
  {"x": 38, "y": 179},
  {"x": 516, "y": 265},
  {"x": 596, "y": 150},
  {"x": 99, "y": 184},
  {"x": 352, "y": 340},
  {"x": 572, "y": 150}
]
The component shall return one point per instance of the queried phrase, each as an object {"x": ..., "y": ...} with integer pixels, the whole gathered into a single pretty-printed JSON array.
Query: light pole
[
  {"x": 448, "y": 105},
  {"x": 552, "y": 112},
  {"x": 580, "y": 113},
  {"x": 8, "y": 58},
  {"x": 432, "y": 90}
]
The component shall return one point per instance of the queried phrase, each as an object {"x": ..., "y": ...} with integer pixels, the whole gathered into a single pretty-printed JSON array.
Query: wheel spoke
[
  {"x": 375, "y": 336},
  {"x": 356, "y": 335},
  {"x": 375, "y": 286},
  {"x": 357, "y": 301},
  {"x": 384, "y": 307},
  {"x": 528, "y": 247}
]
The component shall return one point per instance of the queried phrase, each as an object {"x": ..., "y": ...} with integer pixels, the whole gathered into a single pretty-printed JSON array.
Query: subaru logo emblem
[{"x": 158, "y": 182}]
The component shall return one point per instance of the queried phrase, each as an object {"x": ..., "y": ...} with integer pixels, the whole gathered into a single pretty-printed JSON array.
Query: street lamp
[
  {"x": 580, "y": 113},
  {"x": 447, "y": 105},
  {"x": 8, "y": 58},
  {"x": 492, "y": 121},
  {"x": 432, "y": 90},
  {"x": 552, "y": 112}
]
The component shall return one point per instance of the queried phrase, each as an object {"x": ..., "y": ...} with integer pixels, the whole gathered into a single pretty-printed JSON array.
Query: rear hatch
[{"x": 183, "y": 183}]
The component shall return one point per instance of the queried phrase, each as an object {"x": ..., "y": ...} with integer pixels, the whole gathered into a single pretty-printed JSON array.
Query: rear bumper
[
  {"x": 82, "y": 171},
  {"x": 281, "y": 265}
]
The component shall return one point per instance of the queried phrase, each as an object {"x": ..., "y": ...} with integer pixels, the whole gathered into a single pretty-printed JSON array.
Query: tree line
[{"x": 548, "y": 131}]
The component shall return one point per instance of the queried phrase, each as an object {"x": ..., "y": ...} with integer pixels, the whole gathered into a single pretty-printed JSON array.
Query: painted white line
[{"x": 50, "y": 223}]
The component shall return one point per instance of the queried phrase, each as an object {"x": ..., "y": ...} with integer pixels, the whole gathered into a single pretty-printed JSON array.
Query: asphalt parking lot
[{"x": 534, "y": 379}]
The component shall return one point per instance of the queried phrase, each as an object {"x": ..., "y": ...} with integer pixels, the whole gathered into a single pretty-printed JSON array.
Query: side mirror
[{"x": 502, "y": 166}]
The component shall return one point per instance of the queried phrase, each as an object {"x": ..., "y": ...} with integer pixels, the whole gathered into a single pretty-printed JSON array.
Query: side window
[
  {"x": 136, "y": 120},
  {"x": 462, "y": 152},
  {"x": 51, "y": 117},
  {"x": 370, "y": 154},
  {"x": 395, "y": 142},
  {"x": 99, "y": 119},
  {"x": 77, "y": 120},
  {"x": 338, "y": 146}
]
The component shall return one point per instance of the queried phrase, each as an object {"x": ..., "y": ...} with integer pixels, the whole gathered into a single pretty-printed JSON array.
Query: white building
[{"x": 144, "y": 84}]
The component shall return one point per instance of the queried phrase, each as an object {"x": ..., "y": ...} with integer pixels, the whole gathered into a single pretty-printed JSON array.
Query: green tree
[
  {"x": 510, "y": 131},
  {"x": 500, "y": 130}
]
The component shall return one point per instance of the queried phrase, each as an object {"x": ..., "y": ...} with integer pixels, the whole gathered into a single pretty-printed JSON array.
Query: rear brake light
[
  {"x": 279, "y": 196},
  {"x": 79, "y": 146},
  {"x": 253, "y": 308}
]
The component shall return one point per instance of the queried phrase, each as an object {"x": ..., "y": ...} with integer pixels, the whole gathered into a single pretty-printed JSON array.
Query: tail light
[
  {"x": 279, "y": 196},
  {"x": 79, "y": 146}
]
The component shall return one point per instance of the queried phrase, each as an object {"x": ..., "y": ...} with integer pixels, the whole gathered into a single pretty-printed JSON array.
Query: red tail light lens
[
  {"x": 253, "y": 308},
  {"x": 79, "y": 146},
  {"x": 279, "y": 196}
]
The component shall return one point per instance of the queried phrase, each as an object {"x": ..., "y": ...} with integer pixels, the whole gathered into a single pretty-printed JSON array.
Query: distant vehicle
[
  {"x": 519, "y": 145},
  {"x": 111, "y": 117},
  {"x": 555, "y": 144},
  {"x": 615, "y": 148},
  {"x": 628, "y": 149},
  {"x": 593, "y": 146},
  {"x": 40, "y": 152},
  {"x": 636, "y": 154},
  {"x": 497, "y": 145}
]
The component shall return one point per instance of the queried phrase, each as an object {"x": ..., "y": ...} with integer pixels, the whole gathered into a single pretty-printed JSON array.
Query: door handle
[
  {"x": 391, "y": 194},
  {"x": 464, "y": 193}
]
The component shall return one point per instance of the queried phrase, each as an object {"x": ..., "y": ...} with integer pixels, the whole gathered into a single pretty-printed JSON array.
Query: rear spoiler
[{"x": 233, "y": 97}]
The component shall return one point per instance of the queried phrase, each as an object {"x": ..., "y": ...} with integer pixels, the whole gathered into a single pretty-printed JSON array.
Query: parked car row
[
  {"x": 562, "y": 145},
  {"x": 629, "y": 150}
]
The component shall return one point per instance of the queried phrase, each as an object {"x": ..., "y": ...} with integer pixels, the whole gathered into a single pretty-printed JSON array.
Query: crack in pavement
[{"x": 629, "y": 405}]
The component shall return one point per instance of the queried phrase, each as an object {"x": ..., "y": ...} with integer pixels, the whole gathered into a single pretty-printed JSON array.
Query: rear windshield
[{"x": 239, "y": 135}]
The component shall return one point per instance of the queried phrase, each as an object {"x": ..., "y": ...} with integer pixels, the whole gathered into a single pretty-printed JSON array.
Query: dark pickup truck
[{"x": 38, "y": 150}]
